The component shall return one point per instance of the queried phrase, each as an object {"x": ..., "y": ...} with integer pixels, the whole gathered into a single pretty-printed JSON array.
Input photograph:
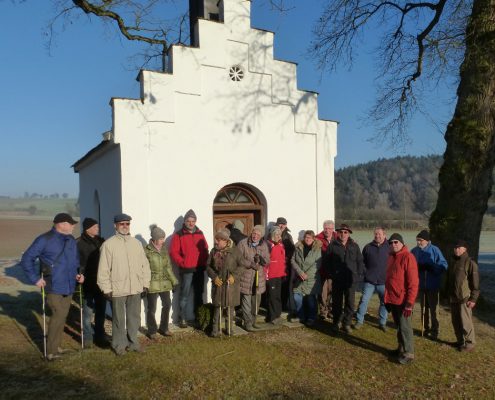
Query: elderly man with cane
[{"x": 59, "y": 261}]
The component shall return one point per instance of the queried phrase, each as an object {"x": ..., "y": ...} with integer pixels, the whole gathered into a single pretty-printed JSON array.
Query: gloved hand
[
  {"x": 407, "y": 311},
  {"x": 262, "y": 261},
  {"x": 217, "y": 281},
  {"x": 231, "y": 280},
  {"x": 108, "y": 296},
  {"x": 174, "y": 288},
  {"x": 144, "y": 293},
  {"x": 256, "y": 258}
]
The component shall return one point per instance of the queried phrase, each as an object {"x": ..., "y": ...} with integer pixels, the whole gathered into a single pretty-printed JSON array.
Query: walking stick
[
  {"x": 256, "y": 296},
  {"x": 44, "y": 317},
  {"x": 227, "y": 298},
  {"x": 220, "y": 320},
  {"x": 81, "y": 314},
  {"x": 423, "y": 308}
]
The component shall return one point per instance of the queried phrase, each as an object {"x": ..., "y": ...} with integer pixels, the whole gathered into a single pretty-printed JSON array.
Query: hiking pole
[
  {"x": 81, "y": 314},
  {"x": 256, "y": 296},
  {"x": 44, "y": 316},
  {"x": 227, "y": 298}
]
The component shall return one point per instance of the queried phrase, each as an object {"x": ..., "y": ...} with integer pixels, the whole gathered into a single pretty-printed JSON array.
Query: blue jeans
[
  {"x": 368, "y": 290},
  {"x": 191, "y": 284},
  {"x": 305, "y": 306},
  {"x": 94, "y": 303}
]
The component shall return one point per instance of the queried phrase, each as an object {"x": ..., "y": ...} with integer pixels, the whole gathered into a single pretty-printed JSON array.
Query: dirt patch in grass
[{"x": 17, "y": 234}]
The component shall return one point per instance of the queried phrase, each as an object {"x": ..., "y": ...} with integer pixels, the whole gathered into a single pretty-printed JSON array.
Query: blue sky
[{"x": 55, "y": 106}]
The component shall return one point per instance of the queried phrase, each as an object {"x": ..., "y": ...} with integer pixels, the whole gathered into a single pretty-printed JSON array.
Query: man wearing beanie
[
  {"x": 431, "y": 266},
  {"x": 94, "y": 302},
  {"x": 57, "y": 253},
  {"x": 401, "y": 289},
  {"x": 124, "y": 277},
  {"x": 189, "y": 251}
]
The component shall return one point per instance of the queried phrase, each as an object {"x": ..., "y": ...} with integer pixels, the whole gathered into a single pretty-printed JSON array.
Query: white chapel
[{"x": 225, "y": 131}]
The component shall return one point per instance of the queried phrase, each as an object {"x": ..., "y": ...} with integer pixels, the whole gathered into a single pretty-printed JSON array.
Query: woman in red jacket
[
  {"x": 275, "y": 274},
  {"x": 401, "y": 289}
]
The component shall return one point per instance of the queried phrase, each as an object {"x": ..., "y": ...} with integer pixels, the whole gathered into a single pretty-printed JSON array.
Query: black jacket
[
  {"x": 375, "y": 262},
  {"x": 344, "y": 264},
  {"x": 89, "y": 257}
]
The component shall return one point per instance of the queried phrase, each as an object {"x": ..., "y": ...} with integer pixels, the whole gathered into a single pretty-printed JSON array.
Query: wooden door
[{"x": 221, "y": 220}]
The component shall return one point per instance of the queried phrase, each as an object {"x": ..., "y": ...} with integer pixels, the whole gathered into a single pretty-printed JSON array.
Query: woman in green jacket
[{"x": 163, "y": 281}]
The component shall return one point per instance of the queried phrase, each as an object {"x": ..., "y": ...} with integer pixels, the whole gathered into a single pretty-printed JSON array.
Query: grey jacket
[
  {"x": 248, "y": 276},
  {"x": 310, "y": 266}
]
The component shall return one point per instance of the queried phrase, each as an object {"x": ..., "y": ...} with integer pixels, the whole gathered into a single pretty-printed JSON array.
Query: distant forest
[{"x": 400, "y": 191}]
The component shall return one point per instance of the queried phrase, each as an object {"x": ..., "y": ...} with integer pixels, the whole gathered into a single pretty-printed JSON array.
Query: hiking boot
[
  {"x": 383, "y": 328},
  {"x": 166, "y": 333},
  {"x": 335, "y": 327},
  {"x": 250, "y": 328},
  {"x": 406, "y": 358},
  {"x": 357, "y": 326},
  {"x": 183, "y": 324},
  {"x": 87, "y": 344},
  {"x": 310, "y": 322},
  {"x": 137, "y": 349},
  {"x": 347, "y": 329},
  {"x": 433, "y": 335},
  {"x": 53, "y": 357},
  {"x": 151, "y": 336},
  {"x": 467, "y": 347}
]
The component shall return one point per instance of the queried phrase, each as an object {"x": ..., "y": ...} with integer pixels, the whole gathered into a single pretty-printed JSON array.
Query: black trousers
[
  {"x": 165, "y": 314},
  {"x": 274, "y": 290},
  {"x": 343, "y": 303}
]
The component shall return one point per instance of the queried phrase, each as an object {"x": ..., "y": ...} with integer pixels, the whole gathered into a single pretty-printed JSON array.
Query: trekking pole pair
[{"x": 44, "y": 315}]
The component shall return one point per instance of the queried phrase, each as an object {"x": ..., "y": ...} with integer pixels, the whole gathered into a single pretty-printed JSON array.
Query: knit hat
[
  {"x": 237, "y": 224},
  {"x": 461, "y": 243},
  {"x": 395, "y": 236},
  {"x": 156, "y": 232},
  {"x": 190, "y": 214},
  {"x": 121, "y": 217},
  {"x": 424, "y": 234},
  {"x": 88, "y": 223},
  {"x": 260, "y": 229},
  {"x": 223, "y": 234}
]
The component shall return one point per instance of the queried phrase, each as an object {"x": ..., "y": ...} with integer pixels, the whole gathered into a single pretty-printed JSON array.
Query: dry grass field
[{"x": 16, "y": 234}]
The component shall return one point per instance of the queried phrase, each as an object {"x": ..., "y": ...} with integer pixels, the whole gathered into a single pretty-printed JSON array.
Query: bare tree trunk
[{"x": 466, "y": 176}]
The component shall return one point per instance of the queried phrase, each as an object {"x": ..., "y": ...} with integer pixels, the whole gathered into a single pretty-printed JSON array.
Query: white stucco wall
[{"x": 194, "y": 130}]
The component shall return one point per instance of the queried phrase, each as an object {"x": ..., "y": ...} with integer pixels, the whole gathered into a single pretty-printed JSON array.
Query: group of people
[{"x": 320, "y": 273}]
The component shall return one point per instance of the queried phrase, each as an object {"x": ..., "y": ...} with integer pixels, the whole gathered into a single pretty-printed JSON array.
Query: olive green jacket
[
  {"x": 163, "y": 278},
  {"x": 463, "y": 280},
  {"x": 310, "y": 266}
]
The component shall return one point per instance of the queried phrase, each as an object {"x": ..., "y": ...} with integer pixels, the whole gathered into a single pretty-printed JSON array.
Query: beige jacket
[{"x": 123, "y": 269}]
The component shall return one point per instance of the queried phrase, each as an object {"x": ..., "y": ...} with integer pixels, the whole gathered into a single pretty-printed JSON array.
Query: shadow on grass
[{"x": 15, "y": 271}]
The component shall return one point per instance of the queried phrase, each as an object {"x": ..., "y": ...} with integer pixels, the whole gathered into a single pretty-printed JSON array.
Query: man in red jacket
[
  {"x": 189, "y": 251},
  {"x": 401, "y": 289}
]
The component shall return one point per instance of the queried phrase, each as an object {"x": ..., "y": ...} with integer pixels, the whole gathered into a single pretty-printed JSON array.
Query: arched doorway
[{"x": 238, "y": 201}]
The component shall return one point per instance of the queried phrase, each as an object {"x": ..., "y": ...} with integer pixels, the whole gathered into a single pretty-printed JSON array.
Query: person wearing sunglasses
[
  {"x": 124, "y": 277},
  {"x": 401, "y": 289}
]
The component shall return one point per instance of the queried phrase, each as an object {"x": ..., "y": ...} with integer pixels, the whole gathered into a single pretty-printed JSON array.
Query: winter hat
[
  {"x": 121, "y": 217},
  {"x": 281, "y": 220},
  {"x": 461, "y": 243},
  {"x": 237, "y": 224},
  {"x": 88, "y": 223},
  {"x": 424, "y": 234},
  {"x": 190, "y": 214},
  {"x": 64, "y": 217},
  {"x": 396, "y": 236},
  {"x": 344, "y": 227},
  {"x": 156, "y": 232},
  {"x": 260, "y": 229},
  {"x": 222, "y": 233}
]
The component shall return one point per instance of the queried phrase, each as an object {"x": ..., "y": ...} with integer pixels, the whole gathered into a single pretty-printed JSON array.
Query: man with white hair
[{"x": 256, "y": 255}]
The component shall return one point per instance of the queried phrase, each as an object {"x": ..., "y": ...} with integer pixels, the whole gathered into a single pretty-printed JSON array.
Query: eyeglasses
[
  {"x": 124, "y": 223},
  {"x": 394, "y": 241}
]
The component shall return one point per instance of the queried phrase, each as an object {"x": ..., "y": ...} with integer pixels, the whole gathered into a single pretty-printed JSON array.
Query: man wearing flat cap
[
  {"x": 401, "y": 289},
  {"x": 94, "y": 302},
  {"x": 431, "y": 266},
  {"x": 57, "y": 253},
  {"x": 189, "y": 251},
  {"x": 344, "y": 264},
  {"x": 463, "y": 285},
  {"x": 124, "y": 277}
]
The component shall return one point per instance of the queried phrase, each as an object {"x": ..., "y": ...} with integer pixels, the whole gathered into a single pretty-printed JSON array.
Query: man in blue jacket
[
  {"x": 375, "y": 256},
  {"x": 431, "y": 266},
  {"x": 59, "y": 263}
]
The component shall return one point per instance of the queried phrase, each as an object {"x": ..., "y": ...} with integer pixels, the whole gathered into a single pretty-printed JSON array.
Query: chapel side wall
[{"x": 101, "y": 175}]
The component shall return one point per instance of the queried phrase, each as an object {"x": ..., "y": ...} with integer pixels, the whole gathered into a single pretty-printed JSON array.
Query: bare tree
[{"x": 422, "y": 42}]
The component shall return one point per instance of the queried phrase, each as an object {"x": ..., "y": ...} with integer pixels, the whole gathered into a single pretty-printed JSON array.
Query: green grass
[
  {"x": 295, "y": 363},
  {"x": 40, "y": 207}
]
